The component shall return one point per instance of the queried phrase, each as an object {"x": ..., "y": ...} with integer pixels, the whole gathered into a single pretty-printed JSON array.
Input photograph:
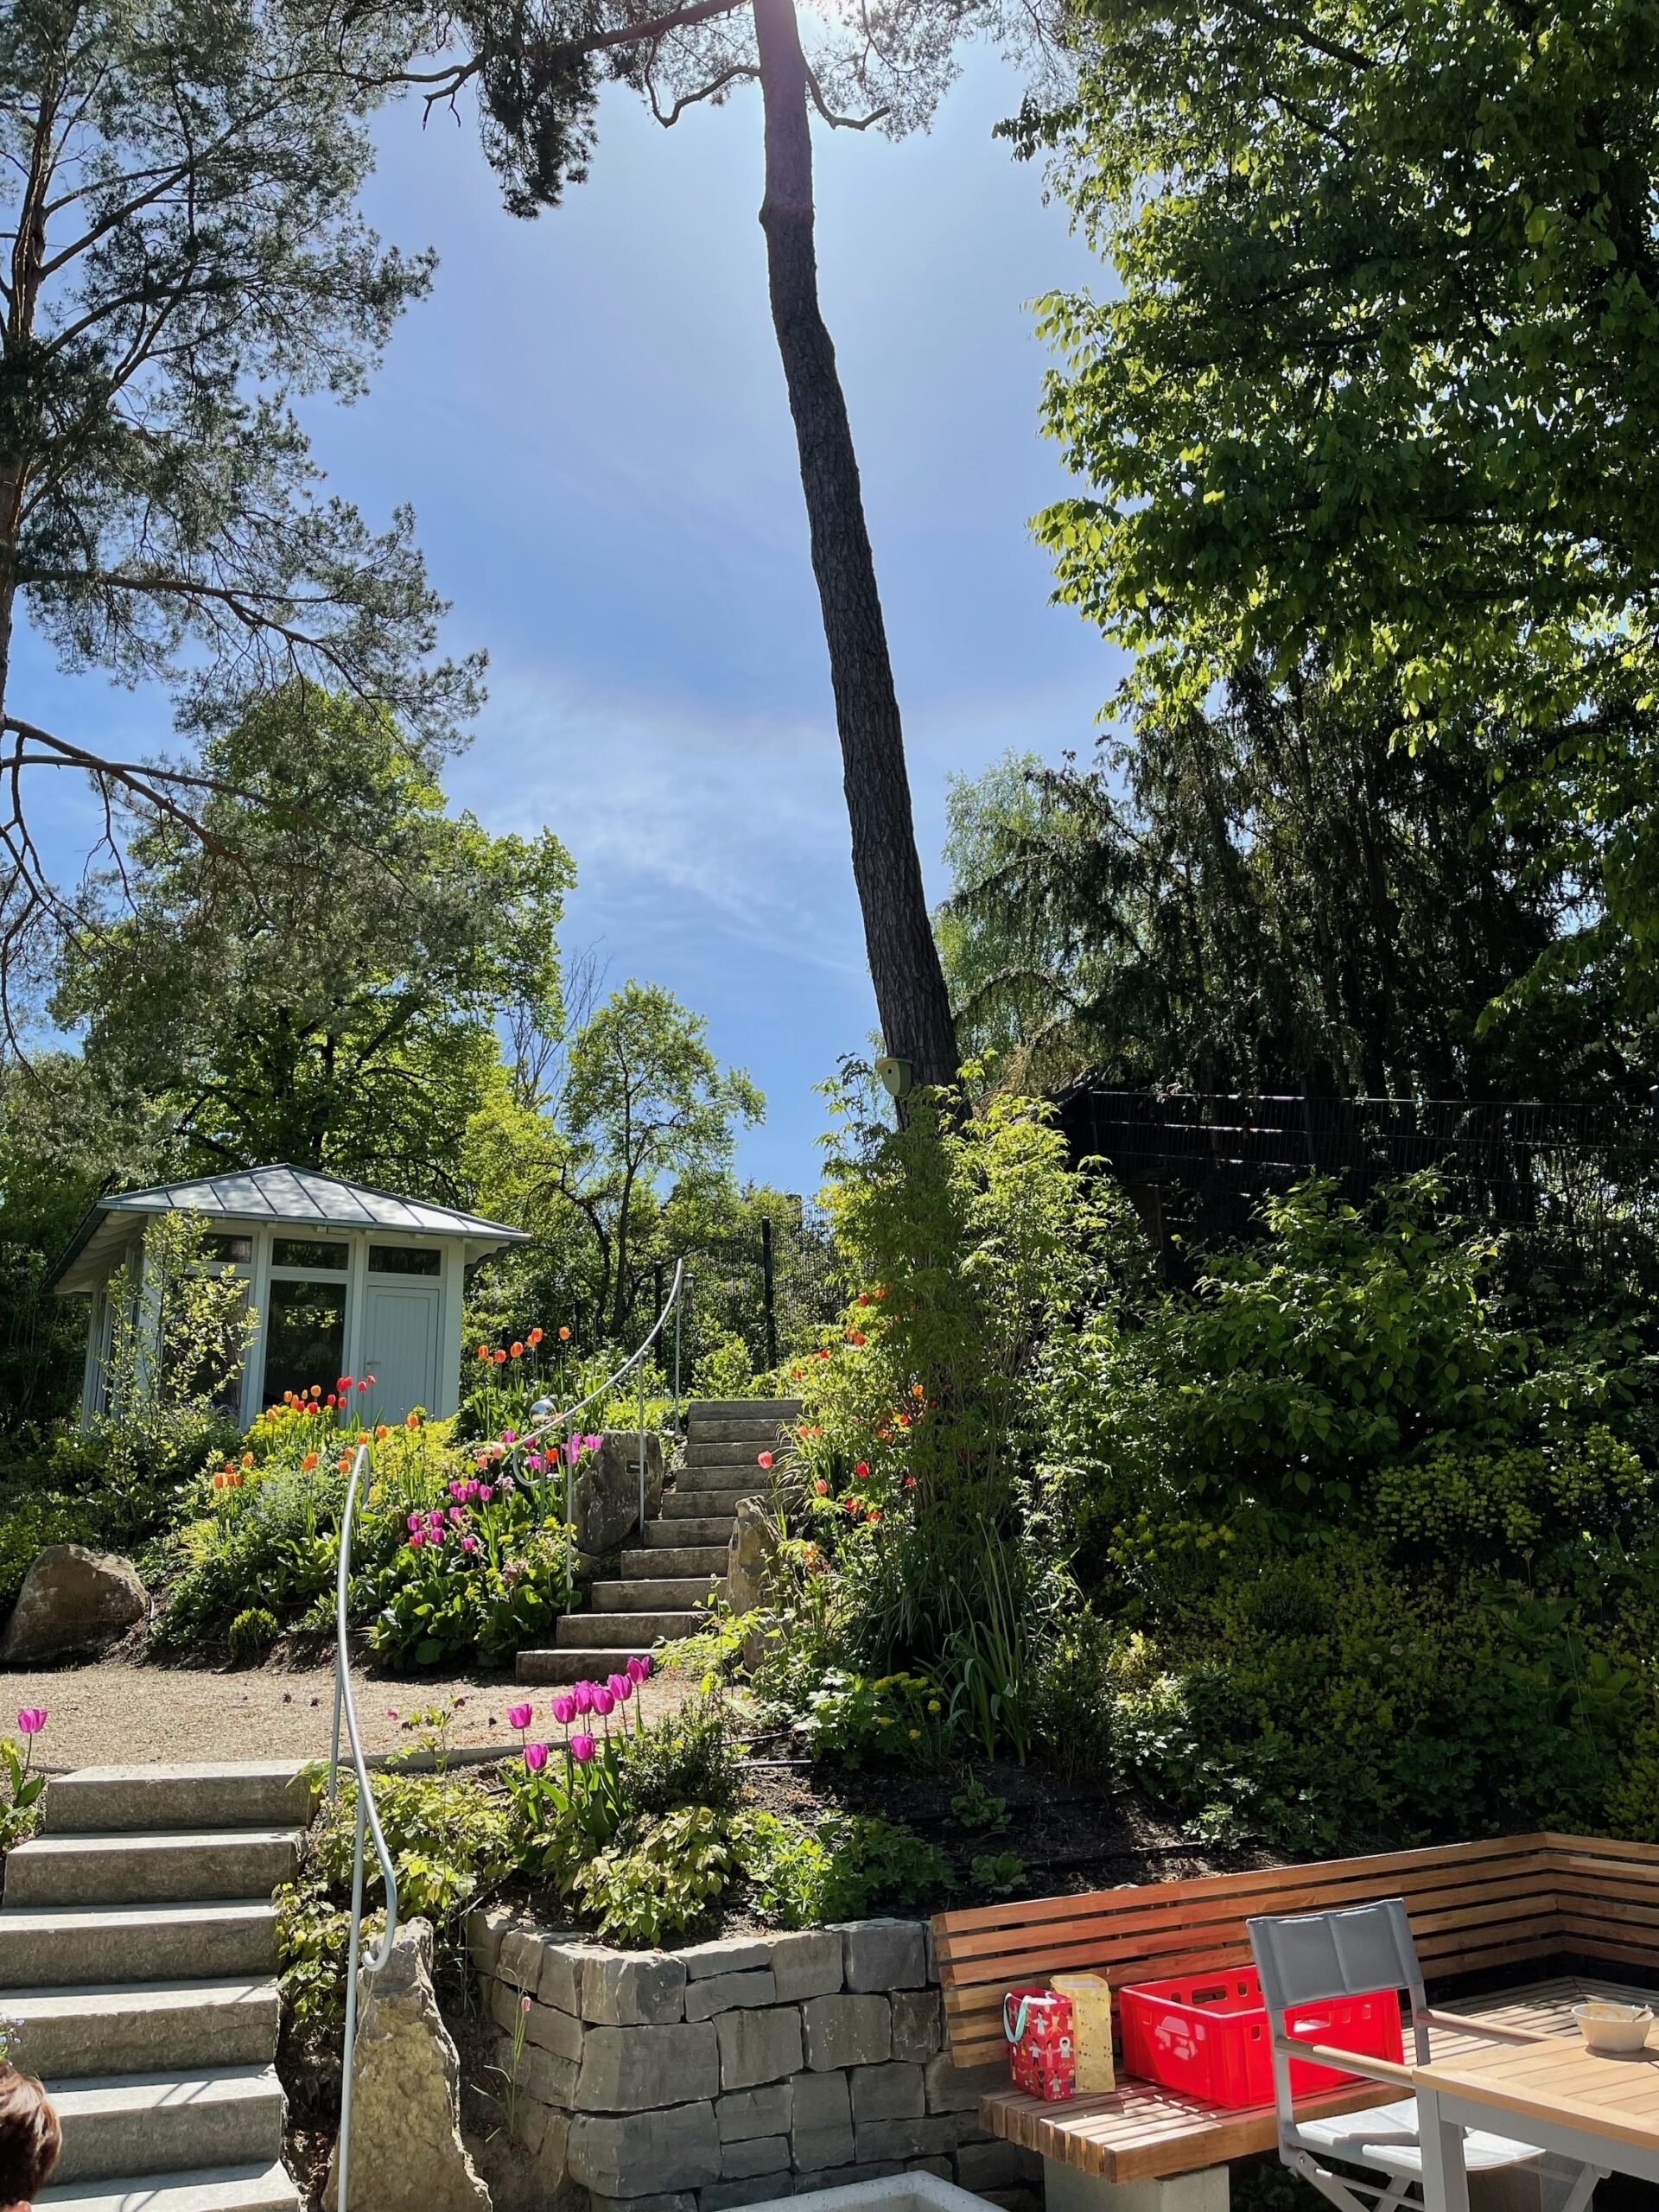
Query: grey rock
[
  {"x": 847, "y": 2032},
  {"x": 959, "y": 2088},
  {"x": 721, "y": 1992},
  {"x": 487, "y": 1928},
  {"x": 845, "y": 2177},
  {"x": 644, "y": 2152},
  {"x": 917, "y": 2025},
  {"x": 623, "y": 1989},
  {"x": 721, "y": 2196},
  {"x": 549, "y": 2079},
  {"x": 680, "y": 2200},
  {"x": 756, "y": 2112},
  {"x": 907, "y": 2139},
  {"x": 562, "y": 1966},
  {"x": 751, "y": 1556},
  {"x": 407, "y": 2154},
  {"x": 981, "y": 2166},
  {"x": 888, "y": 2092},
  {"x": 729, "y": 1955},
  {"x": 73, "y": 1600},
  {"x": 807, "y": 1963},
  {"x": 821, "y": 2133},
  {"x": 758, "y": 2046},
  {"x": 554, "y": 2032},
  {"x": 885, "y": 1954},
  {"x": 759, "y": 2154},
  {"x": 637, "y": 2069},
  {"x": 605, "y": 1495}
]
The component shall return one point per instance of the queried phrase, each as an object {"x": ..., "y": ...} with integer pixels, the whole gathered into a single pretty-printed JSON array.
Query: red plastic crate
[{"x": 1209, "y": 2036}]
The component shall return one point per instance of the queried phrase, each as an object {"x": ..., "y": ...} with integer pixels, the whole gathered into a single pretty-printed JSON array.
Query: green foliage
[
  {"x": 978, "y": 1811},
  {"x": 852, "y": 1717},
  {"x": 999, "y": 1874},
  {"x": 179, "y": 1330},
  {"x": 23, "y": 1789},
  {"x": 663, "y": 1883},
  {"x": 448, "y": 1839},
  {"x": 1457, "y": 206},
  {"x": 854, "y": 1863},
  {"x": 686, "y": 1758},
  {"x": 339, "y": 1016},
  {"x": 434, "y": 1606},
  {"x": 252, "y": 1635}
]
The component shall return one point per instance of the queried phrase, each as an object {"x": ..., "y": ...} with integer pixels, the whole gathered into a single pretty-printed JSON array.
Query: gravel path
[{"x": 110, "y": 1712}]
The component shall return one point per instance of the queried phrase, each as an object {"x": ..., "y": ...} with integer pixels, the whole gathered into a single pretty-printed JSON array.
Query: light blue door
[{"x": 401, "y": 1347}]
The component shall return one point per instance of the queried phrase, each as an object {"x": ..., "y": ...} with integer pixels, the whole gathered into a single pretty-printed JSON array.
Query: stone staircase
[
  {"x": 663, "y": 1591},
  {"x": 137, "y": 1949}
]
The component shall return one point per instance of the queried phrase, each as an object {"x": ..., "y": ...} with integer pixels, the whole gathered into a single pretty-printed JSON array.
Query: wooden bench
[{"x": 1489, "y": 1910}]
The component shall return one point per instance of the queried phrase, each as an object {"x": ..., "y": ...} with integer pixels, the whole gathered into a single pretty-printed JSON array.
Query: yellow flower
[
  {"x": 932, "y": 1704},
  {"x": 915, "y": 1735}
]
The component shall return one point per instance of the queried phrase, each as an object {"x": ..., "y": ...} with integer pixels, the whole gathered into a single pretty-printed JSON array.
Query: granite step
[
  {"x": 131, "y": 1800},
  {"x": 616, "y": 1632},
  {"x": 151, "y": 1868},
  {"x": 679, "y": 1559},
  {"x": 134, "y": 2028},
  {"x": 169, "y": 2122},
  {"x": 701, "y": 1413},
  {"x": 678, "y": 1533},
  {"x": 710, "y": 1504},
  {"x": 678, "y": 1594},
  {"x": 54, "y": 1946},
  {"x": 212, "y": 2189}
]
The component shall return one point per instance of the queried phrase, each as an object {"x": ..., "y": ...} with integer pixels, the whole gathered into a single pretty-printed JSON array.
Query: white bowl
[{"x": 1610, "y": 2027}]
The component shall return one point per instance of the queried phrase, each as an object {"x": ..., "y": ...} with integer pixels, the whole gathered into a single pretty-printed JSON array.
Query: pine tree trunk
[{"x": 910, "y": 994}]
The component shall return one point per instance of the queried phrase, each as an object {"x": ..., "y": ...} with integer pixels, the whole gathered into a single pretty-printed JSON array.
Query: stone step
[
  {"x": 170, "y": 2123},
  {"x": 210, "y": 2188},
  {"x": 580, "y": 1664},
  {"x": 707, "y": 1504},
  {"x": 724, "y": 1450},
  {"x": 141, "y": 2027},
  {"x": 678, "y": 1594},
  {"x": 616, "y": 1632},
  {"x": 674, "y": 1535},
  {"x": 54, "y": 1946},
  {"x": 148, "y": 1869},
  {"x": 130, "y": 1799},
  {"x": 700, "y": 1411},
  {"x": 676, "y": 1559}
]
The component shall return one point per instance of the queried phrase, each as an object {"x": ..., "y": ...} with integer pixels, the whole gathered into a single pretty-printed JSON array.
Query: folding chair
[{"x": 1312, "y": 1957}]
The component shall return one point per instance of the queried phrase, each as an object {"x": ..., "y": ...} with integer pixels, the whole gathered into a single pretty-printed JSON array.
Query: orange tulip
[
  {"x": 309, "y": 1461},
  {"x": 917, "y": 1391},
  {"x": 483, "y": 1352},
  {"x": 381, "y": 1433},
  {"x": 565, "y": 1336},
  {"x": 500, "y": 1357},
  {"x": 535, "y": 1335},
  {"x": 518, "y": 1352},
  {"x": 411, "y": 1420}
]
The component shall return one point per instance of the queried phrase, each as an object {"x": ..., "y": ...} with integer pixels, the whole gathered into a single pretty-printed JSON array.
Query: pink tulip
[
  {"x": 416, "y": 1540},
  {"x": 620, "y": 1686},
  {"x": 582, "y": 1748},
  {"x": 486, "y": 1491},
  {"x": 31, "y": 1720},
  {"x": 469, "y": 1543},
  {"x": 535, "y": 1757},
  {"x": 414, "y": 1520},
  {"x": 520, "y": 1716},
  {"x": 584, "y": 1695},
  {"x": 640, "y": 1668},
  {"x": 604, "y": 1703},
  {"x": 564, "y": 1711}
]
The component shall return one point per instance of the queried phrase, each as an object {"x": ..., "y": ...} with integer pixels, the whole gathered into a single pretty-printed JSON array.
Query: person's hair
[{"x": 30, "y": 2138}]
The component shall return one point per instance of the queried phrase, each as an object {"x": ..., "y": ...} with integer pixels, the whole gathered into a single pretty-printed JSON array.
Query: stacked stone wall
[{"x": 728, "y": 2073}]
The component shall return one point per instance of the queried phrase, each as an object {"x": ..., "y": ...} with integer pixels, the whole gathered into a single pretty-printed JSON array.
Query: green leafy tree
[
  {"x": 330, "y": 1000},
  {"x": 1270, "y": 894},
  {"x": 1377, "y": 387},
  {"x": 185, "y": 260}
]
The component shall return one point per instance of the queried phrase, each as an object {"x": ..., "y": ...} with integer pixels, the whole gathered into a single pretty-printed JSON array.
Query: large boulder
[
  {"x": 73, "y": 1600},
  {"x": 407, "y": 2154},
  {"x": 605, "y": 1497}
]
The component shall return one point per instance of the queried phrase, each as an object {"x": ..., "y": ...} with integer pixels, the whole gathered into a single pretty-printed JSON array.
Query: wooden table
[{"x": 1597, "y": 2112}]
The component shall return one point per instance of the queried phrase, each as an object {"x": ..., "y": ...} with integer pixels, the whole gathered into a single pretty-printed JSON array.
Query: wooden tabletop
[{"x": 1557, "y": 2079}]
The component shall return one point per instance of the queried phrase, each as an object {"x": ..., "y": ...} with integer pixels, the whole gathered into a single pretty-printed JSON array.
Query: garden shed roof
[{"x": 294, "y": 1197}]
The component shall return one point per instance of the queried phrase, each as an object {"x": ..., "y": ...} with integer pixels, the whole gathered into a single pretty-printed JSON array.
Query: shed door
[{"x": 400, "y": 1347}]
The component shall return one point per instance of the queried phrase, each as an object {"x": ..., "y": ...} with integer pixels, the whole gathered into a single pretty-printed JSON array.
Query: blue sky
[{"x": 588, "y": 417}]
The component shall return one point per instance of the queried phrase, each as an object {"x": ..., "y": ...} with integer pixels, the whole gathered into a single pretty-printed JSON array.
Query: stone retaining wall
[{"x": 724, "y": 2074}]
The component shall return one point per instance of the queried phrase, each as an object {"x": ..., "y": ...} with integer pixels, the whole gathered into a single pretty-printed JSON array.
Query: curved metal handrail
[{"x": 346, "y": 1705}]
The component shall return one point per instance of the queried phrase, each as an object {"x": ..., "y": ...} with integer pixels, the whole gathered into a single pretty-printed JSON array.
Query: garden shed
[{"x": 344, "y": 1280}]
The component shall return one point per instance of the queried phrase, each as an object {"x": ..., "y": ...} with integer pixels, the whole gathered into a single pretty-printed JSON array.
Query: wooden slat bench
[{"x": 1475, "y": 1910}]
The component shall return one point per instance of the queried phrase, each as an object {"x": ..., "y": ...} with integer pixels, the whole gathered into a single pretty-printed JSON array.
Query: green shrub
[
  {"x": 252, "y": 1635},
  {"x": 665, "y": 1881},
  {"x": 853, "y": 1863},
  {"x": 434, "y": 1606},
  {"x": 686, "y": 1758}
]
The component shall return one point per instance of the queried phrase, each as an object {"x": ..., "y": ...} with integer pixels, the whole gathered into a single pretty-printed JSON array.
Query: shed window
[
  {"x": 404, "y": 1260},
  {"x": 305, "y": 1337},
  {"x": 236, "y": 1251},
  {"x": 309, "y": 1252}
]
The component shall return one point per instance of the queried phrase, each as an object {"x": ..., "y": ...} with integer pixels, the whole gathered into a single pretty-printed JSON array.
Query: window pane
[
  {"x": 305, "y": 1337},
  {"x": 404, "y": 1260},
  {"x": 238, "y": 1250},
  {"x": 298, "y": 1252}
]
